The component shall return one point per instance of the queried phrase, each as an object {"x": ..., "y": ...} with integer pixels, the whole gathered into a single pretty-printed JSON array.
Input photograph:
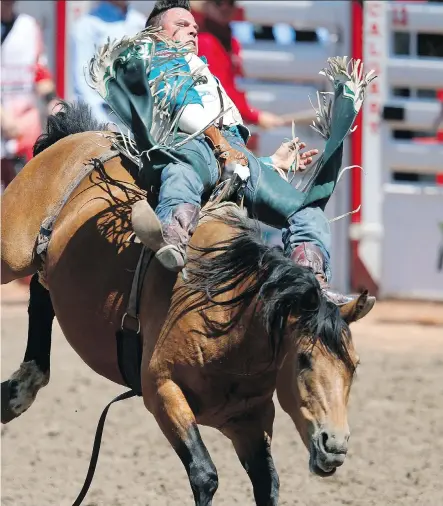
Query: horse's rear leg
[
  {"x": 177, "y": 421},
  {"x": 19, "y": 392}
]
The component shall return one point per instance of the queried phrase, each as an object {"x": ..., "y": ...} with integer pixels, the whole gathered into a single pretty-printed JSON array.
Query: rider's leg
[
  {"x": 307, "y": 236},
  {"x": 305, "y": 230},
  {"x": 181, "y": 188},
  {"x": 307, "y": 241},
  {"x": 178, "y": 210}
]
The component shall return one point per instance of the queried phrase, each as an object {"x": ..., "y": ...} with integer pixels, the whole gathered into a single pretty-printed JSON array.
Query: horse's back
[
  {"x": 90, "y": 262},
  {"x": 35, "y": 192}
]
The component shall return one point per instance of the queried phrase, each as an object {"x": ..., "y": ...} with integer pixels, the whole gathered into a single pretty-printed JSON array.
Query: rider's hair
[{"x": 155, "y": 21}]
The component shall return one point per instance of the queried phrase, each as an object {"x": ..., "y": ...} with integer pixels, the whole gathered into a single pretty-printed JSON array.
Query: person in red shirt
[
  {"x": 439, "y": 135},
  {"x": 222, "y": 51}
]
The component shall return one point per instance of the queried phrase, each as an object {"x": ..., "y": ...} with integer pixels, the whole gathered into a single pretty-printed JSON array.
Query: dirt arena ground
[{"x": 396, "y": 417}]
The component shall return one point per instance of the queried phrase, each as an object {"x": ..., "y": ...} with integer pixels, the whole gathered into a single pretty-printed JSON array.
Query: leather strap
[
  {"x": 96, "y": 446},
  {"x": 48, "y": 223},
  {"x": 129, "y": 343},
  {"x": 136, "y": 290},
  {"x": 220, "y": 96},
  {"x": 47, "y": 226},
  {"x": 137, "y": 283},
  {"x": 222, "y": 148}
]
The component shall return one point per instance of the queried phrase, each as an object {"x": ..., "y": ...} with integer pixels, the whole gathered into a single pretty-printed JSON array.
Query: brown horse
[{"x": 217, "y": 343}]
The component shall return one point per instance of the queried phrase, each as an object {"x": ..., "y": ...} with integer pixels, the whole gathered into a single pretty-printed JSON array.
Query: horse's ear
[{"x": 353, "y": 310}]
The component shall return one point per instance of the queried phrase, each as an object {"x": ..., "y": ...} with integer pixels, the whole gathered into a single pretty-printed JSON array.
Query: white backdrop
[{"x": 412, "y": 248}]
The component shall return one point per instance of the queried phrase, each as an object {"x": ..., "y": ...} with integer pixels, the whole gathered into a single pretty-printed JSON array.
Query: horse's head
[
  {"x": 315, "y": 380},
  {"x": 309, "y": 338}
]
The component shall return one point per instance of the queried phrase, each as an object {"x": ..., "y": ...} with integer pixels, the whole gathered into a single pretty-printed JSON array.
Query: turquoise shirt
[{"x": 187, "y": 93}]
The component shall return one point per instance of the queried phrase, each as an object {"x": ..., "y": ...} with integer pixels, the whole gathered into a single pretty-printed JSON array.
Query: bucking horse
[{"x": 208, "y": 346}]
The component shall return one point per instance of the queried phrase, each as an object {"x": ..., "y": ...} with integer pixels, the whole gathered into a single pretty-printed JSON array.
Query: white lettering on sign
[{"x": 375, "y": 54}]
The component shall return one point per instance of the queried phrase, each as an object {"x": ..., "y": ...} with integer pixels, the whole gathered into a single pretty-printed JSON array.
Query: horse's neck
[
  {"x": 245, "y": 345},
  {"x": 254, "y": 346}
]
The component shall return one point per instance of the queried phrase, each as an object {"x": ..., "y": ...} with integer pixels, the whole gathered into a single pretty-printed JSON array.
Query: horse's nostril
[
  {"x": 324, "y": 441},
  {"x": 333, "y": 443}
]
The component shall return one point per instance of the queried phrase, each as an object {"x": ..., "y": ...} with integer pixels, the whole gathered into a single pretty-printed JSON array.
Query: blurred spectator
[
  {"x": 222, "y": 51},
  {"x": 24, "y": 78},
  {"x": 110, "y": 18}
]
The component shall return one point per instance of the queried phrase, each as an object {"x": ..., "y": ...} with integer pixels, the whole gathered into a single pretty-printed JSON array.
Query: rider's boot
[
  {"x": 309, "y": 255},
  {"x": 168, "y": 241}
]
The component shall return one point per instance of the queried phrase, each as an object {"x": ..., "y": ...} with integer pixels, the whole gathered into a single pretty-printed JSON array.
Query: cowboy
[{"x": 204, "y": 111}]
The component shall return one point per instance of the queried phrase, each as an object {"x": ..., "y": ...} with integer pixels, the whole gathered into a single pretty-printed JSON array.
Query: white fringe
[
  {"x": 164, "y": 127},
  {"x": 340, "y": 71},
  {"x": 338, "y": 179},
  {"x": 346, "y": 214}
]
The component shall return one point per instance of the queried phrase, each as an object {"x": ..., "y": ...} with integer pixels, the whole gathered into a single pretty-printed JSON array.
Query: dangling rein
[{"x": 96, "y": 446}]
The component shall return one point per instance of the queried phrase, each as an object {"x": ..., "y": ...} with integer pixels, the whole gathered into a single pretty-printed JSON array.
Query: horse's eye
[{"x": 304, "y": 361}]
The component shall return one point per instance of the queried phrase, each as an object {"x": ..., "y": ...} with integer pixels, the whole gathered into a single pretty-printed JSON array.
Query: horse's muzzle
[{"x": 327, "y": 452}]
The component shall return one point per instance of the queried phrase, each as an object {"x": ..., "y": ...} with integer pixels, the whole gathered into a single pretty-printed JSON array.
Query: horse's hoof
[{"x": 7, "y": 413}]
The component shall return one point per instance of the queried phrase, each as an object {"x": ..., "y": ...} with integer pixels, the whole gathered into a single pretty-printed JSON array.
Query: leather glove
[{"x": 223, "y": 151}]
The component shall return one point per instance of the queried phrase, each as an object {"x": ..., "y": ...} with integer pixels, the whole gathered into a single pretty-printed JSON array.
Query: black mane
[
  {"x": 282, "y": 287},
  {"x": 71, "y": 119}
]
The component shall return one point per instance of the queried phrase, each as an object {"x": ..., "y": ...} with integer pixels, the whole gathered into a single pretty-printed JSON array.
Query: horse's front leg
[
  {"x": 175, "y": 418},
  {"x": 251, "y": 437}
]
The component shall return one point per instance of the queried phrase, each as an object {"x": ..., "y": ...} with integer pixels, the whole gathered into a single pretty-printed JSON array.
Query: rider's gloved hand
[{"x": 223, "y": 151}]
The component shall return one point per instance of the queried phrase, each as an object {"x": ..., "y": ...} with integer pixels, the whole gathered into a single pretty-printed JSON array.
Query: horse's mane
[
  {"x": 282, "y": 288},
  {"x": 71, "y": 119}
]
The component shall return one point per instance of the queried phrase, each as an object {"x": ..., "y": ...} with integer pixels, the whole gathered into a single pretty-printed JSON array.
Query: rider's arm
[
  {"x": 194, "y": 116},
  {"x": 194, "y": 119}
]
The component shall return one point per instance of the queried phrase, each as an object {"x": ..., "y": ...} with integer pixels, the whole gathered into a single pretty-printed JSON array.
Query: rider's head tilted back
[{"x": 176, "y": 20}]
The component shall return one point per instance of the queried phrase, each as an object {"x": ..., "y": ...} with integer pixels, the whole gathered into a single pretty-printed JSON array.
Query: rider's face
[{"x": 179, "y": 25}]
